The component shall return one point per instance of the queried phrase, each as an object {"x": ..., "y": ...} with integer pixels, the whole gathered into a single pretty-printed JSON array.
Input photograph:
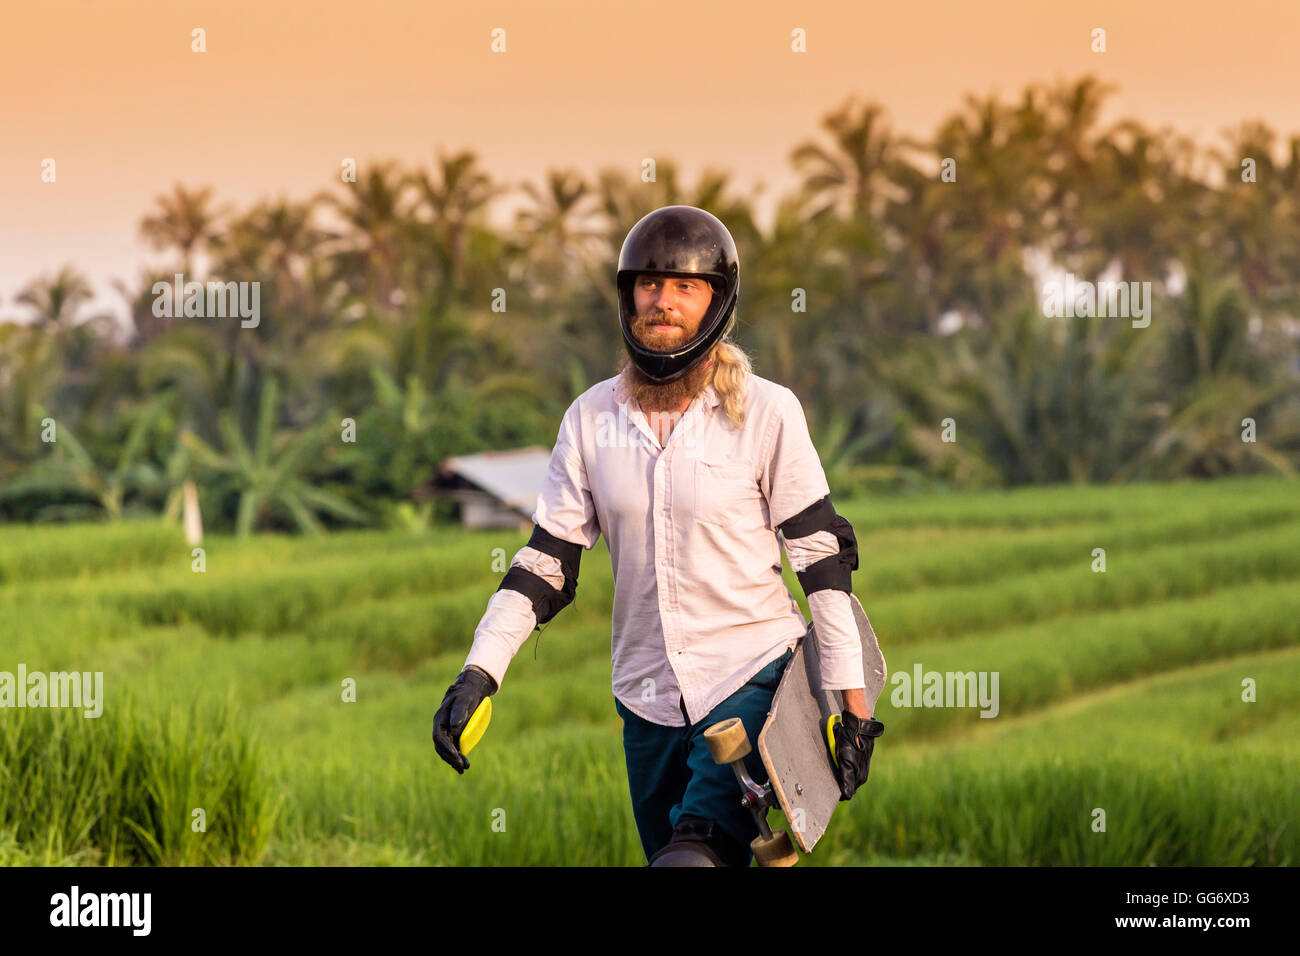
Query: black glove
[
  {"x": 462, "y": 699},
  {"x": 855, "y": 738}
]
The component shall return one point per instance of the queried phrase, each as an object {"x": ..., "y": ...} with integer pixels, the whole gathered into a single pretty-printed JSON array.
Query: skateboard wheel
[
  {"x": 775, "y": 851},
  {"x": 727, "y": 740}
]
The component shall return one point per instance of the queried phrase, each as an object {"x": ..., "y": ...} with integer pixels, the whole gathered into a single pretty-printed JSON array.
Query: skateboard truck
[{"x": 729, "y": 744}]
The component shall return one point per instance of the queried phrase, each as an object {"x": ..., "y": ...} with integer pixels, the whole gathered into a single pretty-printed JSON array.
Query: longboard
[
  {"x": 792, "y": 746},
  {"x": 792, "y": 743}
]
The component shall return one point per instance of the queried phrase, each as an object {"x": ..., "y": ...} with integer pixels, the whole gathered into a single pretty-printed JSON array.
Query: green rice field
[{"x": 1120, "y": 692}]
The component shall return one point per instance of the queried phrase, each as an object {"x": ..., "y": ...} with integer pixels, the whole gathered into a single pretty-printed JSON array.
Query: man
[{"x": 690, "y": 465}]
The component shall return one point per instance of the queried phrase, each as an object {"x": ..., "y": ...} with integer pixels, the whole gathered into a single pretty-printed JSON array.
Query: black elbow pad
[
  {"x": 834, "y": 571},
  {"x": 547, "y": 601}
]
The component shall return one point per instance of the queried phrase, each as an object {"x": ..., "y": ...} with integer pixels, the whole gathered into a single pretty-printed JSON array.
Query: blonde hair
[{"x": 731, "y": 371}]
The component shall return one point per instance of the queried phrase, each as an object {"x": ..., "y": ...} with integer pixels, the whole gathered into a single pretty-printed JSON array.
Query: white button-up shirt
[{"x": 700, "y": 605}]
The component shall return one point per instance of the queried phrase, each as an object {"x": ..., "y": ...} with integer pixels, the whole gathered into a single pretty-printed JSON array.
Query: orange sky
[{"x": 112, "y": 92}]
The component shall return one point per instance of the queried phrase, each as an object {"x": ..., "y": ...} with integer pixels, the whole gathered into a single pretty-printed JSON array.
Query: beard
[{"x": 662, "y": 396}]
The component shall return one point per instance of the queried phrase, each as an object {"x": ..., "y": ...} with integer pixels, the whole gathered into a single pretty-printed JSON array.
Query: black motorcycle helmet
[{"x": 679, "y": 241}]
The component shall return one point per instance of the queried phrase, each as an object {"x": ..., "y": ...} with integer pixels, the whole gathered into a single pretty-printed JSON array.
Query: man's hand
[
  {"x": 462, "y": 699},
  {"x": 855, "y": 738}
]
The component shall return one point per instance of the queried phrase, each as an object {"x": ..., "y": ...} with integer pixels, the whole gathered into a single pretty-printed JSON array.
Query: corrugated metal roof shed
[{"x": 510, "y": 479}]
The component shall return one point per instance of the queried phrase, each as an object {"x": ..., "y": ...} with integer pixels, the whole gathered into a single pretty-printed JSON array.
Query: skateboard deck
[{"x": 792, "y": 743}]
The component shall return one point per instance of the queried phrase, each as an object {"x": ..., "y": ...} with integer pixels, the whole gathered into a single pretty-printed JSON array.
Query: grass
[
  {"x": 173, "y": 786},
  {"x": 229, "y": 691}
]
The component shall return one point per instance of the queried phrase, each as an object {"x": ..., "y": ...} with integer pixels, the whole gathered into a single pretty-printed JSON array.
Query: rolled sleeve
[
  {"x": 839, "y": 645},
  {"x": 505, "y": 626}
]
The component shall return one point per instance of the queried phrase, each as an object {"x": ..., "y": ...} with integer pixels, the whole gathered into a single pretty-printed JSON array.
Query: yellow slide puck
[
  {"x": 477, "y": 723},
  {"x": 831, "y": 721}
]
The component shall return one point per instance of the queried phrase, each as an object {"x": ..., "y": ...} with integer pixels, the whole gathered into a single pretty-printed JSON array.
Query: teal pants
[{"x": 671, "y": 773}]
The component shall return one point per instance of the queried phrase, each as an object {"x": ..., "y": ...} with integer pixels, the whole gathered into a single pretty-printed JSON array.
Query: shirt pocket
[{"x": 726, "y": 493}]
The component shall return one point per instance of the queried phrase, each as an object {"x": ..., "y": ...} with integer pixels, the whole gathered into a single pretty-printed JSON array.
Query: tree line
[{"x": 898, "y": 291}]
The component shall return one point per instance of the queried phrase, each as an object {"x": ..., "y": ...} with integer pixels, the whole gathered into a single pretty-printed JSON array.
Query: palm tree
[
  {"x": 1062, "y": 128},
  {"x": 849, "y": 185},
  {"x": 169, "y": 481},
  {"x": 995, "y": 207},
  {"x": 56, "y": 299},
  {"x": 625, "y": 199},
  {"x": 29, "y": 372},
  {"x": 71, "y": 469},
  {"x": 1202, "y": 438},
  {"x": 851, "y": 178},
  {"x": 270, "y": 474},
  {"x": 369, "y": 253},
  {"x": 1258, "y": 223},
  {"x": 1033, "y": 399},
  {"x": 1219, "y": 372},
  {"x": 551, "y": 256},
  {"x": 557, "y": 230},
  {"x": 60, "y": 349},
  {"x": 276, "y": 243},
  {"x": 1141, "y": 205},
  {"x": 455, "y": 197},
  {"x": 190, "y": 363},
  {"x": 139, "y": 298},
  {"x": 276, "y": 238},
  {"x": 837, "y": 448},
  {"x": 186, "y": 220}
]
